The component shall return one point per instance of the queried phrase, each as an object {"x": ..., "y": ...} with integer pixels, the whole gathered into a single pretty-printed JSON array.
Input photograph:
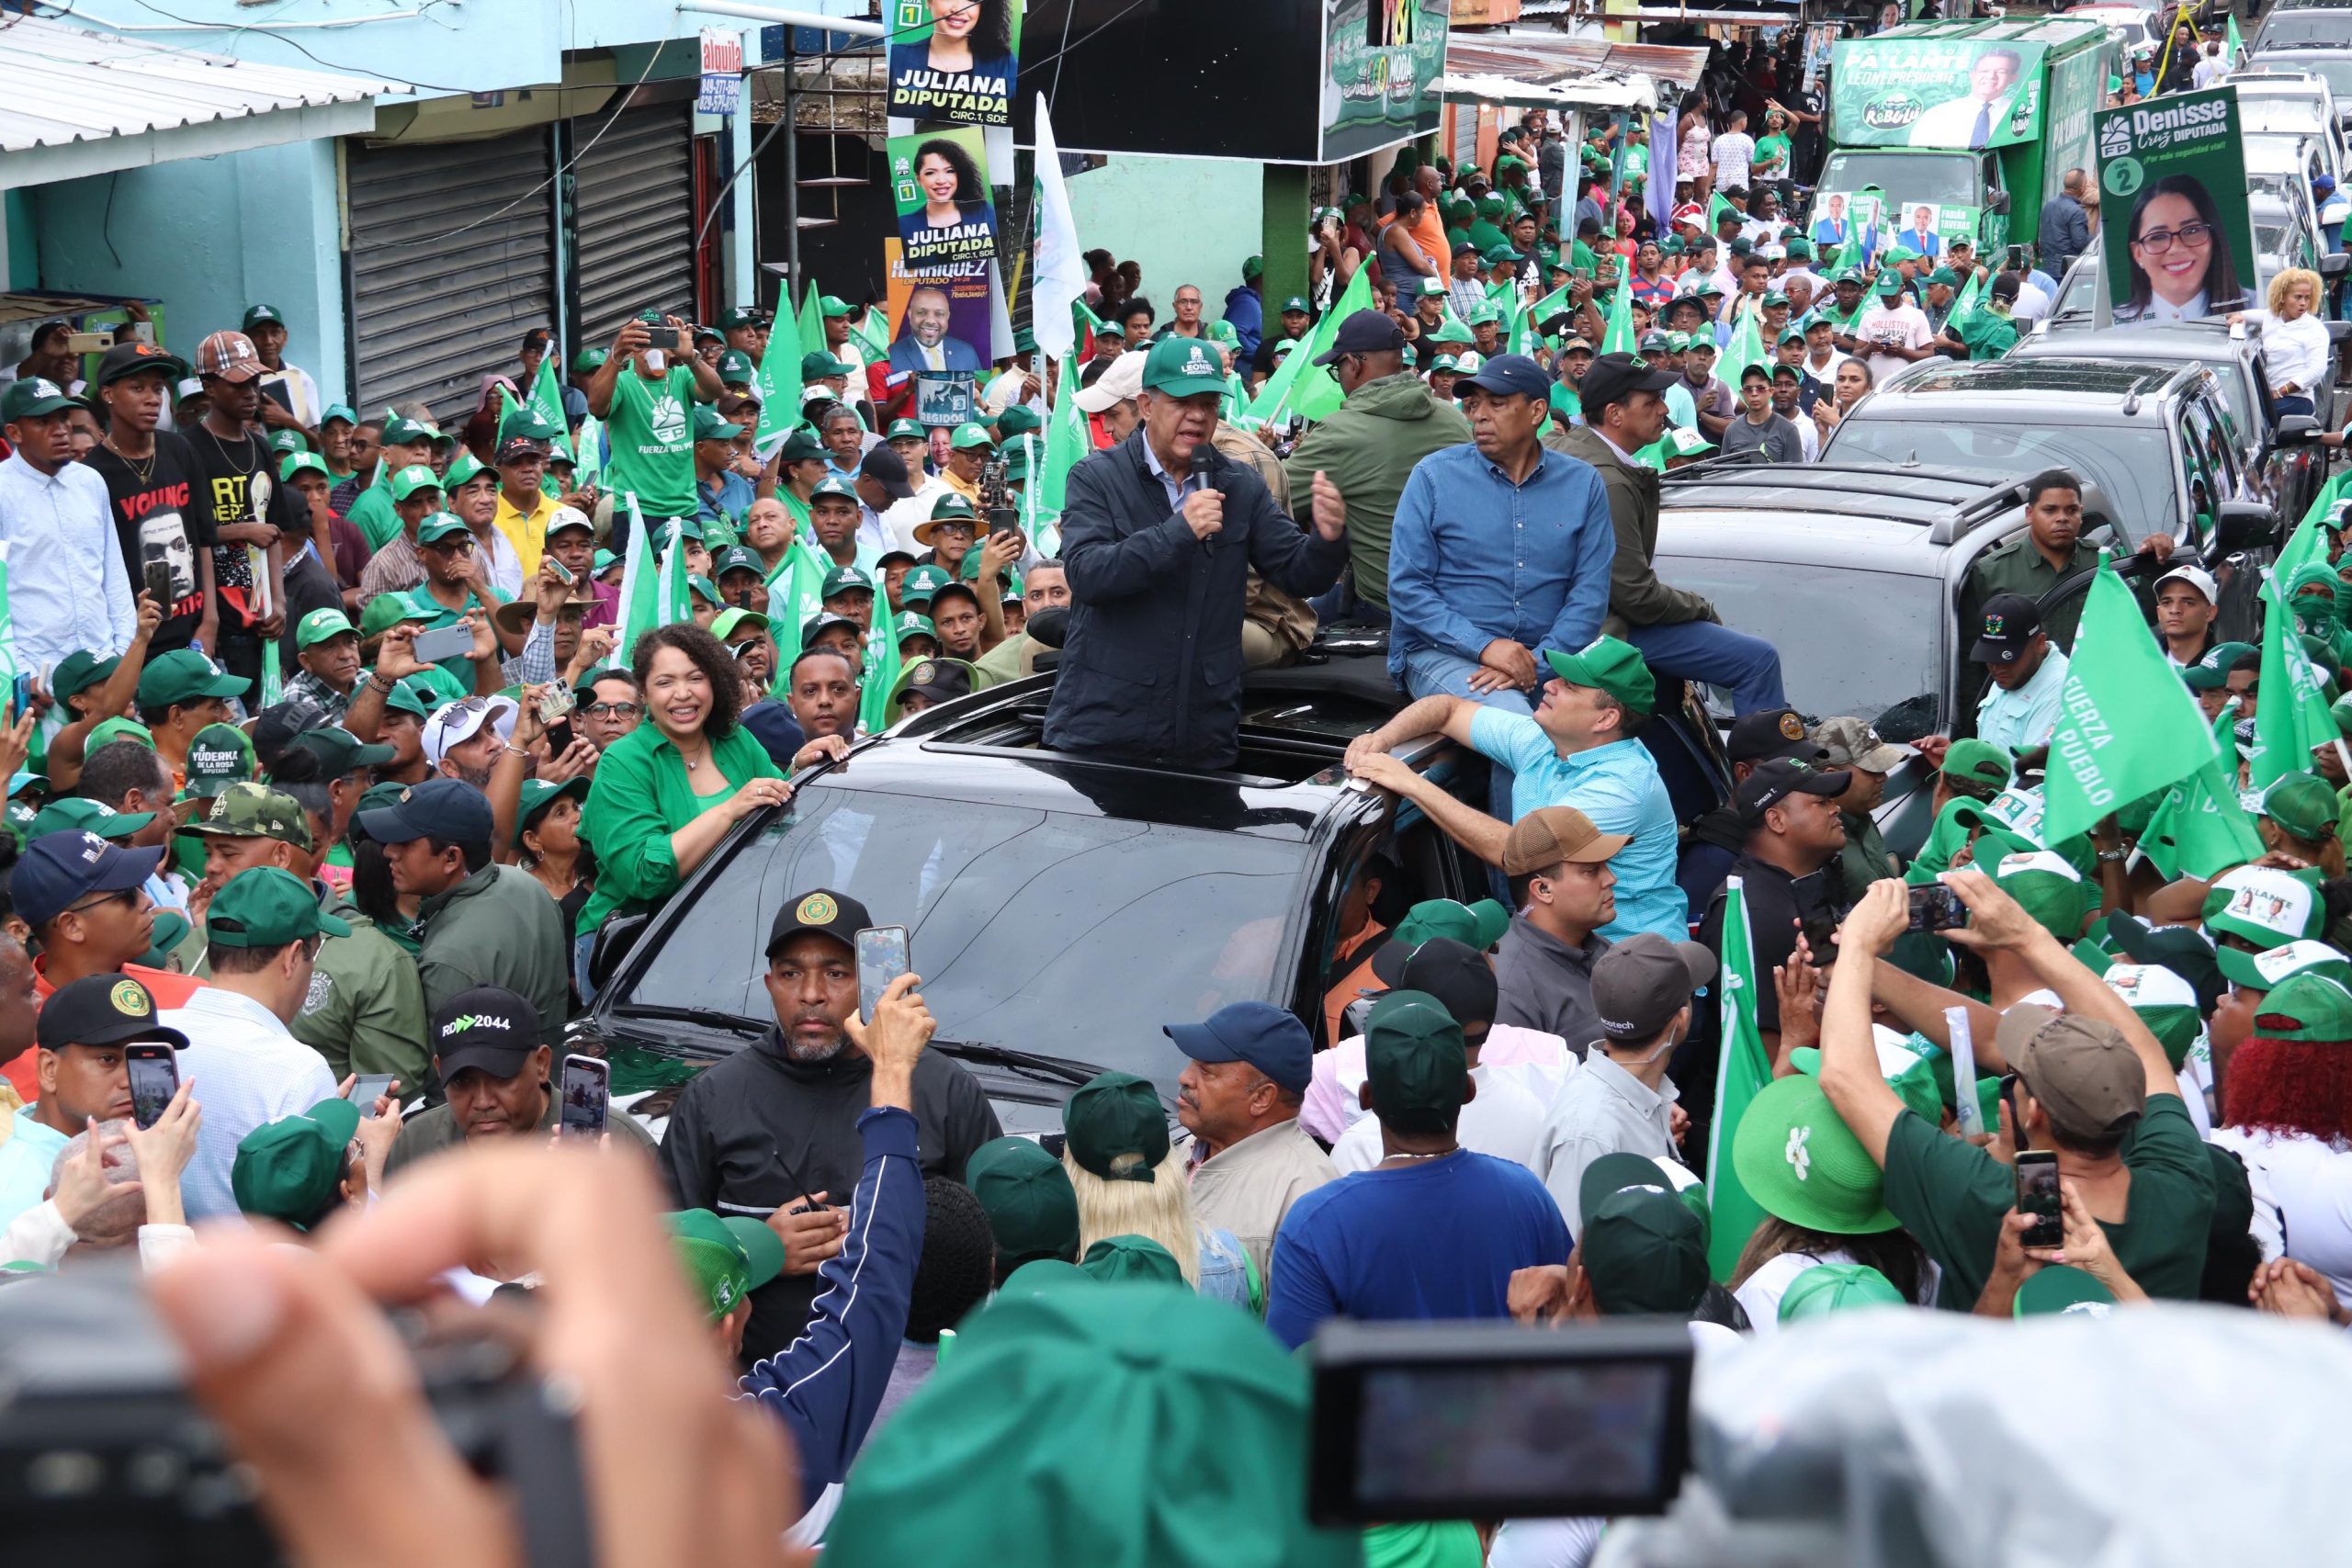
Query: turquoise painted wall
[{"x": 1182, "y": 220}]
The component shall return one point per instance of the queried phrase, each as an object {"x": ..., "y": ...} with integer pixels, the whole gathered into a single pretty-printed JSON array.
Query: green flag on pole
[
  {"x": 776, "y": 383},
  {"x": 1964, "y": 303},
  {"x": 1618, "y": 337},
  {"x": 1315, "y": 393},
  {"x": 882, "y": 666},
  {"x": 2199, "y": 830},
  {"x": 591, "y": 468},
  {"x": 796, "y": 594},
  {"x": 547, "y": 402},
  {"x": 812, "y": 324},
  {"x": 654, "y": 591},
  {"x": 1746, "y": 348},
  {"x": 1065, "y": 442},
  {"x": 2292, "y": 716},
  {"x": 2127, "y": 727},
  {"x": 1741, "y": 1072}
]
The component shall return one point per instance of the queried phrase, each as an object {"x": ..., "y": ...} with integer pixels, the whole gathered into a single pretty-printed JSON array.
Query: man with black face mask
[{"x": 772, "y": 1132}]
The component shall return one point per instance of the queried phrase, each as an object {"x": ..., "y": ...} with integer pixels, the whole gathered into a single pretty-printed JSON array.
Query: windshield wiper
[
  {"x": 710, "y": 1018},
  {"x": 1058, "y": 1068}
]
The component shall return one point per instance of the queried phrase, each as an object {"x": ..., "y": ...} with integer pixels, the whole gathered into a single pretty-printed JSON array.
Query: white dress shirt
[
  {"x": 60, "y": 532},
  {"x": 248, "y": 1069},
  {"x": 900, "y": 519},
  {"x": 2294, "y": 352}
]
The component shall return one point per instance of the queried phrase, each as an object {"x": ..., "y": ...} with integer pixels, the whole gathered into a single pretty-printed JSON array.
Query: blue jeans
[
  {"x": 1429, "y": 671},
  {"x": 2291, "y": 402},
  {"x": 1702, "y": 650}
]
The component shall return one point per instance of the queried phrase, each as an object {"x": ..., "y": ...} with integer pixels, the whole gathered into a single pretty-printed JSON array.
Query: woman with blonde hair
[
  {"x": 1129, "y": 1183},
  {"x": 2294, "y": 339}
]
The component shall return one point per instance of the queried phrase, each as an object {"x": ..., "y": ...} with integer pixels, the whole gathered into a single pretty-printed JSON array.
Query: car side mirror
[
  {"x": 2296, "y": 429},
  {"x": 2333, "y": 264},
  {"x": 2338, "y": 332},
  {"x": 614, "y": 940},
  {"x": 1998, "y": 201},
  {"x": 2243, "y": 525}
]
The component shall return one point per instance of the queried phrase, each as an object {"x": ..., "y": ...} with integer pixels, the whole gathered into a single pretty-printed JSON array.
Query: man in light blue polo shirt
[{"x": 1576, "y": 749}]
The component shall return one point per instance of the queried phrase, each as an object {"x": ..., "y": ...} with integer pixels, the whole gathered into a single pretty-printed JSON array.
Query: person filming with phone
[
  {"x": 83, "y": 1074},
  {"x": 645, "y": 394},
  {"x": 773, "y": 1129}
]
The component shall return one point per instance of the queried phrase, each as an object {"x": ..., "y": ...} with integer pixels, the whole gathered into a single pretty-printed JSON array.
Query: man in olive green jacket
[{"x": 1368, "y": 448}]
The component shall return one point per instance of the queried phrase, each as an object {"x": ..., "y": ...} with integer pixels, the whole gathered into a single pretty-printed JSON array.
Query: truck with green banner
[{"x": 1975, "y": 122}]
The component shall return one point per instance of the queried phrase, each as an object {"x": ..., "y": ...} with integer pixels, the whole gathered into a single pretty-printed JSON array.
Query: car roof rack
[
  {"x": 1969, "y": 516},
  {"x": 2164, "y": 383}
]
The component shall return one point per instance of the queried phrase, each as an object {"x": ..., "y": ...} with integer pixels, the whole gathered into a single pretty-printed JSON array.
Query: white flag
[{"x": 1061, "y": 275}]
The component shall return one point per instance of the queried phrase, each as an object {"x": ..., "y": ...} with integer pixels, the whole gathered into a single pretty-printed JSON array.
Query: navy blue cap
[
  {"x": 449, "y": 809},
  {"x": 1506, "y": 374},
  {"x": 779, "y": 734},
  {"x": 1366, "y": 331},
  {"x": 1265, "y": 1036},
  {"x": 62, "y": 869}
]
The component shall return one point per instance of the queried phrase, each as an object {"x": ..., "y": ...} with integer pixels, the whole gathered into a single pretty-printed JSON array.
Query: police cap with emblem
[{"x": 836, "y": 915}]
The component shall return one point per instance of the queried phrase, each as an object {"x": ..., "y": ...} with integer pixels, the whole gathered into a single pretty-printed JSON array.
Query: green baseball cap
[
  {"x": 1978, "y": 764},
  {"x": 2310, "y": 1005},
  {"x": 439, "y": 525},
  {"x": 741, "y": 316},
  {"x": 2301, "y": 804},
  {"x": 1181, "y": 367},
  {"x": 1683, "y": 442},
  {"x": 1116, "y": 1127},
  {"x": 303, "y": 462},
  {"x": 402, "y": 431},
  {"x": 735, "y": 366},
  {"x": 817, "y": 365},
  {"x": 697, "y": 584},
  {"x": 843, "y": 579},
  {"x": 1019, "y": 419},
  {"x": 182, "y": 676},
  {"x": 1295, "y": 302},
  {"x": 708, "y": 426},
  {"x": 835, "y": 485},
  {"x": 1612, "y": 1172},
  {"x": 288, "y": 1169},
  {"x": 727, "y": 621},
  {"x": 590, "y": 360},
  {"x": 384, "y": 612},
  {"x": 256, "y": 314},
  {"x": 2048, "y": 887},
  {"x": 1644, "y": 1251},
  {"x": 413, "y": 694},
  {"x": 833, "y": 305},
  {"x": 538, "y": 795},
  {"x": 604, "y": 562},
  {"x": 339, "y": 751},
  {"x": 1477, "y": 926},
  {"x": 1838, "y": 1287},
  {"x": 75, "y": 813},
  {"x": 726, "y": 1258},
  {"x": 410, "y": 480},
  {"x": 2061, "y": 1288},
  {"x": 1415, "y": 1064},
  {"x": 78, "y": 671},
  {"x": 342, "y": 411},
  {"x": 1609, "y": 665},
  {"x": 462, "y": 466},
  {"x": 244, "y": 810},
  {"x": 106, "y": 731},
  {"x": 170, "y": 929},
  {"x": 320, "y": 625},
  {"x": 1137, "y": 1258},
  {"x": 925, "y": 581},
  {"x": 220, "y": 755},
  {"x": 911, "y": 624},
  {"x": 737, "y": 557},
  {"x": 1890, "y": 284},
  {"x": 1031, "y": 1208},
  {"x": 900, "y": 429},
  {"x": 1802, "y": 1164},
  {"x": 2164, "y": 1001},
  {"x": 265, "y": 907},
  {"x": 972, "y": 438}
]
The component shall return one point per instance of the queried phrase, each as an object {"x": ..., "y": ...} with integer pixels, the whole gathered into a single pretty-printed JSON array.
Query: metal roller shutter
[
  {"x": 634, "y": 210},
  {"x": 431, "y": 319}
]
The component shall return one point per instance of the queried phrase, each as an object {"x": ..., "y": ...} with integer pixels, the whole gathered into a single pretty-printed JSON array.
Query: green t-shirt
[
  {"x": 1772, "y": 158},
  {"x": 1951, "y": 1195},
  {"x": 652, "y": 429},
  {"x": 373, "y": 515}
]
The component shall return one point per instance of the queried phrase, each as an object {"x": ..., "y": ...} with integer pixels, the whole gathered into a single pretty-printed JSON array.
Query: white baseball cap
[
  {"x": 454, "y": 724},
  {"x": 2197, "y": 577},
  {"x": 1117, "y": 384}
]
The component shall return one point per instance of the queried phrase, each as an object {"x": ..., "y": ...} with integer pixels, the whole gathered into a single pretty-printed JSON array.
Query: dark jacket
[
  {"x": 1151, "y": 665},
  {"x": 1368, "y": 448},
  {"x": 2065, "y": 233},
  {"x": 1636, "y": 597},
  {"x": 759, "y": 1131}
]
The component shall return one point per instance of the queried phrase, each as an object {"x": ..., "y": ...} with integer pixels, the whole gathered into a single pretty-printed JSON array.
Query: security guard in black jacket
[{"x": 1158, "y": 535}]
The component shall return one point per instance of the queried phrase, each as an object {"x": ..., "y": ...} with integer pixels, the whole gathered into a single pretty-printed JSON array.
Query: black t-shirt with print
[
  {"x": 156, "y": 519},
  {"x": 226, "y": 474}
]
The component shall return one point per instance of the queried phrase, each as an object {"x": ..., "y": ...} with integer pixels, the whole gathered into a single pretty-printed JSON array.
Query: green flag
[
  {"x": 2126, "y": 726},
  {"x": 1276, "y": 393},
  {"x": 867, "y": 332},
  {"x": 592, "y": 453},
  {"x": 1065, "y": 442},
  {"x": 547, "y": 401},
  {"x": 776, "y": 383},
  {"x": 1618, "y": 337},
  {"x": 2292, "y": 716},
  {"x": 2199, "y": 830},
  {"x": 1964, "y": 302},
  {"x": 2233, "y": 44},
  {"x": 1741, "y": 1072},
  {"x": 812, "y": 324},
  {"x": 1746, "y": 348},
  {"x": 881, "y": 670},
  {"x": 1317, "y": 394},
  {"x": 796, "y": 593},
  {"x": 1717, "y": 206},
  {"x": 653, "y": 591}
]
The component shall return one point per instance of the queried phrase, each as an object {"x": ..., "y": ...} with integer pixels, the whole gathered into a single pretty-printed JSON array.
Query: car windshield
[
  {"x": 1906, "y": 178},
  {"x": 2132, "y": 466},
  {"x": 2279, "y": 112},
  {"x": 1067, "y": 935},
  {"x": 2336, "y": 73},
  {"x": 1880, "y": 654}
]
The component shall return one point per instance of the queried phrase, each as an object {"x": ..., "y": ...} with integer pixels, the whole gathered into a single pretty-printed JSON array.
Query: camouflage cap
[{"x": 254, "y": 811}]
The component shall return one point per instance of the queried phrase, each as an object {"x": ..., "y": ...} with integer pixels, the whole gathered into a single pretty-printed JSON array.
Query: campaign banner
[
  {"x": 939, "y": 181},
  {"x": 939, "y": 317},
  {"x": 2178, "y": 242},
  {"x": 1381, "y": 63},
  {"x": 1935, "y": 92},
  {"x": 954, "y": 61}
]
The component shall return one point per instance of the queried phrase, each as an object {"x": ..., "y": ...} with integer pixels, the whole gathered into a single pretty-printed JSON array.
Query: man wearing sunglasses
[{"x": 84, "y": 899}]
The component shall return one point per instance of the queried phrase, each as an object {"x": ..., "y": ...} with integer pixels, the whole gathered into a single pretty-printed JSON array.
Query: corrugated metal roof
[
  {"x": 1549, "y": 57},
  {"x": 62, "y": 85}
]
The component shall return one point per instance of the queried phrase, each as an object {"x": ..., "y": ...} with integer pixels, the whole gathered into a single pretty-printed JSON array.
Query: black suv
[{"x": 1062, "y": 909}]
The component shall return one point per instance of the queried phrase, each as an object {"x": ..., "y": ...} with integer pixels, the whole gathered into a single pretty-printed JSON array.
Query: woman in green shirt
[{"x": 667, "y": 791}]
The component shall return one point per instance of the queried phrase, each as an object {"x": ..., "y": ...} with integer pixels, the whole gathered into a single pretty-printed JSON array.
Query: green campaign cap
[
  {"x": 288, "y": 1169},
  {"x": 1415, "y": 1062},
  {"x": 439, "y": 525},
  {"x": 1687, "y": 443},
  {"x": 1224, "y": 332},
  {"x": 287, "y": 442},
  {"x": 538, "y": 795},
  {"x": 925, "y": 581},
  {"x": 1655, "y": 342},
  {"x": 1799, "y": 249},
  {"x": 342, "y": 411},
  {"x": 735, "y": 366},
  {"x": 2164, "y": 1001},
  {"x": 817, "y": 365},
  {"x": 833, "y": 484},
  {"x": 1181, "y": 367},
  {"x": 2263, "y": 907},
  {"x": 1117, "y": 1129},
  {"x": 1790, "y": 334},
  {"x": 75, "y": 813},
  {"x": 1200, "y": 1413},
  {"x": 1442, "y": 362},
  {"x": 740, "y": 316},
  {"x": 1612, "y": 1173},
  {"x": 338, "y": 751},
  {"x": 1132, "y": 1259},
  {"x": 383, "y": 611},
  {"x": 834, "y": 306},
  {"x": 265, "y": 907},
  {"x": 2274, "y": 966},
  {"x": 1018, "y": 420},
  {"x": 320, "y": 625},
  {"x": 182, "y": 676},
  {"x": 2048, "y": 887},
  {"x": 1432, "y": 287},
  {"x": 737, "y": 557},
  {"x": 170, "y": 929},
  {"x": 708, "y": 426},
  {"x": 1482, "y": 314},
  {"x": 244, "y": 810},
  {"x": 727, "y": 621},
  {"x": 605, "y": 561},
  {"x": 1295, "y": 302},
  {"x": 1031, "y": 1208},
  {"x": 697, "y": 584},
  {"x": 521, "y": 423},
  {"x": 1677, "y": 341},
  {"x": 303, "y": 462},
  {"x": 1801, "y": 1162},
  {"x": 843, "y": 579},
  {"x": 462, "y": 466},
  {"x": 2301, "y": 804},
  {"x": 590, "y": 360},
  {"x": 2309, "y": 1006},
  {"x": 1838, "y": 1287},
  {"x": 1478, "y": 925},
  {"x": 402, "y": 431},
  {"x": 1609, "y": 665},
  {"x": 220, "y": 755},
  {"x": 415, "y": 695},
  {"x": 78, "y": 671},
  {"x": 1979, "y": 763},
  {"x": 106, "y": 731},
  {"x": 410, "y": 480},
  {"x": 972, "y": 438},
  {"x": 726, "y": 1258},
  {"x": 900, "y": 429},
  {"x": 911, "y": 624},
  {"x": 1890, "y": 284},
  {"x": 2062, "y": 1288},
  {"x": 1644, "y": 1251},
  {"x": 256, "y": 314},
  {"x": 1943, "y": 275}
]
